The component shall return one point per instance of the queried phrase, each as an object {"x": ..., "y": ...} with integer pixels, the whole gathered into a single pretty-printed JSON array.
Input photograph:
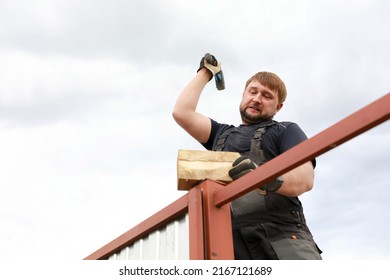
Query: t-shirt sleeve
[
  {"x": 292, "y": 136},
  {"x": 216, "y": 130}
]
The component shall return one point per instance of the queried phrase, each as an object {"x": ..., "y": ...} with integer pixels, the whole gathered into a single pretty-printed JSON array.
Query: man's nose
[{"x": 257, "y": 98}]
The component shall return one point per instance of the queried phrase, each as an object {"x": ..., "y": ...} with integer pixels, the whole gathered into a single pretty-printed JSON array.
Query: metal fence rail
[
  {"x": 359, "y": 122},
  {"x": 205, "y": 208}
]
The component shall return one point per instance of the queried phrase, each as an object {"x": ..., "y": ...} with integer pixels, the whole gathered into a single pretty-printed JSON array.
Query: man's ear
[{"x": 279, "y": 106}]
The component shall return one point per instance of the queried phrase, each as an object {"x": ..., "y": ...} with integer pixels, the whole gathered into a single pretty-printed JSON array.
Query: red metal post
[
  {"x": 196, "y": 228},
  {"x": 218, "y": 227}
]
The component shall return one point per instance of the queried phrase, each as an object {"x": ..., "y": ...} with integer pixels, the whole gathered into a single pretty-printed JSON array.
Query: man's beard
[{"x": 253, "y": 119}]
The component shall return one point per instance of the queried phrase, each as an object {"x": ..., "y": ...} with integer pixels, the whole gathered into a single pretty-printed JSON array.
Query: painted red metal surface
[
  {"x": 218, "y": 226},
  {"x": 353, "y": 125},
  {"x": 196, "y": 225}
]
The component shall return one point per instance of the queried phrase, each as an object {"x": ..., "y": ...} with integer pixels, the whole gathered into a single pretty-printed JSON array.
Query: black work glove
[
  {"x": 241, "y": 166},
  {"x": 211, "y": 63}
]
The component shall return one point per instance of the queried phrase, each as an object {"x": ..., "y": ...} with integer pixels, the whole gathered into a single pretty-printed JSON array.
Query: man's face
[{"x": 258, "y": 103}]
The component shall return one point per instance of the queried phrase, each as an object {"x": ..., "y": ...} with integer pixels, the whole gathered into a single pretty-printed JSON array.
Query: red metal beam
[
  {"x": 353, "y": 125},
  {"x": 164, "y": 216}
]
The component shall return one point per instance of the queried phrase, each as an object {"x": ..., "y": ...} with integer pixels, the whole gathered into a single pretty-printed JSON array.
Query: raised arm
[{"x": 184, "y": 112}]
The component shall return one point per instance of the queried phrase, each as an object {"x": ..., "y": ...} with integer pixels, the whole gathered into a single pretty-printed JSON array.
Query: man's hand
[
  {"x": 241, "y": 166},
  {"x": 211, "y": 63}
]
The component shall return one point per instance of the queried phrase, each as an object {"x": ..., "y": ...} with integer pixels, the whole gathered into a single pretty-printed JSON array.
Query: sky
[{"x": 88, "y": 144}]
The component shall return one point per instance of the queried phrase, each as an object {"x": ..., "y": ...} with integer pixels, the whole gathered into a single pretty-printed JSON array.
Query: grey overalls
[{"x": 269, "y": 226}]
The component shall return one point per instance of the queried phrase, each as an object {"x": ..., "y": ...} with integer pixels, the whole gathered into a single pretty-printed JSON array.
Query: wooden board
[{"x": 194, "y": 166}]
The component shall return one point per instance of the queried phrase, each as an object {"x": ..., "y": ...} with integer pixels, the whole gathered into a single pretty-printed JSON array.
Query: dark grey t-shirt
[{"x": 277, "y": 139}]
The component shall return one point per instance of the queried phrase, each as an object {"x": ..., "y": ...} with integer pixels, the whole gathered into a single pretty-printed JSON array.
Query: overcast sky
[{"x": 88, "y": 145}]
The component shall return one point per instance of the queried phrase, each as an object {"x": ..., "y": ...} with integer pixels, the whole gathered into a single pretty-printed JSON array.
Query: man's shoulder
[
  {"x": 284, "y": 129},
  {"x": 283, "y": 125},
  {"x": 286, "y": 123},
  {"x": 219, "y": 128},
  {"x": 276, "y": 126}
]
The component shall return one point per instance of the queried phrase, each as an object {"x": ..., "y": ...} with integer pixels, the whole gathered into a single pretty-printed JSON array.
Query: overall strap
[
  {"x": 257, "y": 153},
  {"x": 222, "y": 139},
  {"x": 256, "y": 140}
]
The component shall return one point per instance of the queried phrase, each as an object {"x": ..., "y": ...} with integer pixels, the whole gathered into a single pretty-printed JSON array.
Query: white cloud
[{"x": 87, "y": 88}]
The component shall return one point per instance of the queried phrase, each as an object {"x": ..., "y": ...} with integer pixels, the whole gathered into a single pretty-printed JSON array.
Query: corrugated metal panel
[{"x": 168, "y": 243}]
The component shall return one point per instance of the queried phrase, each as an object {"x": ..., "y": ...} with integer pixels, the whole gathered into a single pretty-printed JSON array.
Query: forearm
[{"x": 298, "y": 180}]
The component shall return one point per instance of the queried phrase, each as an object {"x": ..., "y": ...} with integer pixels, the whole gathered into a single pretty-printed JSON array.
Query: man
[{"x": 268, "y": 223}]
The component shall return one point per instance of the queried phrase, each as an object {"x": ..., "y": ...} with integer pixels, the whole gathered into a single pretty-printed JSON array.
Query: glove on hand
[
  {"x": 211, "y": 63},
  {"x": 241, "y": 166}
]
